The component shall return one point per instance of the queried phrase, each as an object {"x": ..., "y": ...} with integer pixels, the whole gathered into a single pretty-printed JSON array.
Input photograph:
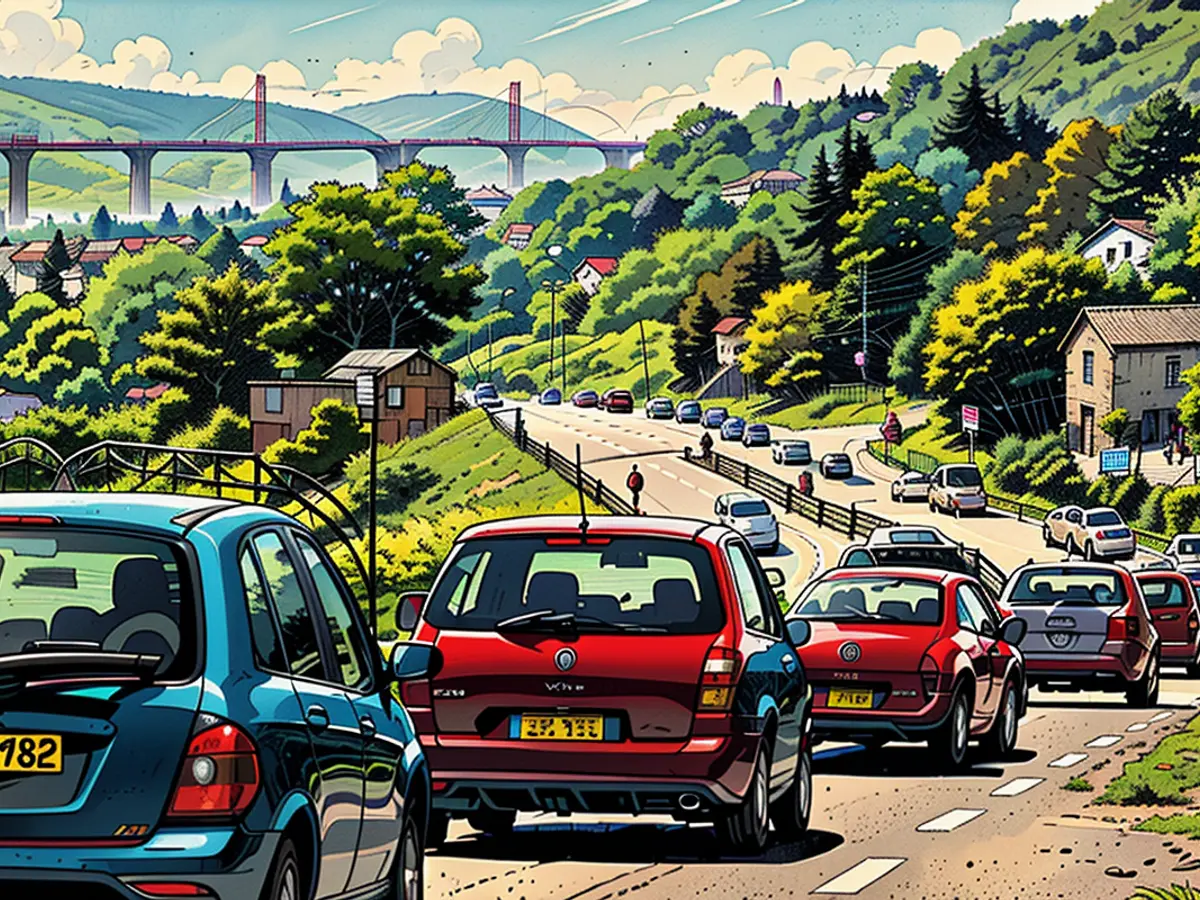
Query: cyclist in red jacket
[{"x": 635, "y": 482}]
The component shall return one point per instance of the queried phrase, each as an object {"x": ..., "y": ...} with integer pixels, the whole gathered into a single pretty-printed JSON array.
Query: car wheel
[
  {"x": 284, "y": 881},
  {"x": 1089, "y": 552},
  {"x": 790, "y": 812},
  {"x": 1002, "y": 739},
  {"x": 949, "y": 742},
  {"x": 407, "y": 880},
  {"x": 958, "y": 512},
  {"x": 743, "y": 828},
  {"x": 438, "y": 829},
  {"x": 1071, "y": 548},
  {"x": 933, "y": 508},
  {"x": 496, "y": 822},
  {"x": 1143, "y": 693},
  {"x": 1047, "y": 539}
]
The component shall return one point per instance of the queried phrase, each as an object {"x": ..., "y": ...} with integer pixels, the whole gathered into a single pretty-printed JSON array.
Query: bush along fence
[
  {"x": 847, "y": 520},
  {"x": 569, "y": 470},
  {"x": 916, "y": 461}
]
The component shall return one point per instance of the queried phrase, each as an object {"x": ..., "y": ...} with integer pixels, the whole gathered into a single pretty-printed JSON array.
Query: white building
[
  {"x": 1120, "y": 241},
  {"x": 773, "y": 181},
  {"x": 592, "y": 271},
  {"x": 730, "y": 334}
]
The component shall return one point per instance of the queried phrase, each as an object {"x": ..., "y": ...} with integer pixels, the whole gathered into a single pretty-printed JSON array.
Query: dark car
[
  {"x": 756, "y": 435},
  {"x": 585, "y": 399},
  {"x": 836, "y": 465},
  {"x": 660, "y": 408},
  {"x": 193, "y": 707},
  {"x": 640, "y": 666},
  {"x": 550, "y": 397},
  {"x": 733, "y": 428},
  {"x": 911, "y": 654},
  {"x": 714, "y": 416},
  {"x": 688, "y": 412},
  {"x": 616, "y": 400}
]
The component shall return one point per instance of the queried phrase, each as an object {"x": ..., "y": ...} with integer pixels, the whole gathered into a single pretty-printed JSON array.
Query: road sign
[
  {"x": 364, "y": 395},
  {"x": 1114, "y": 461},
  {"x": 860, "y": 359},
  {"x": 970, "y": 418}
]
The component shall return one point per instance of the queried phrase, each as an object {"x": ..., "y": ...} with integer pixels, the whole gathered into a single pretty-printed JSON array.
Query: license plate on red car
[
  {"x": 850, "y": 698},
  {"x": 562, "y": 728}
]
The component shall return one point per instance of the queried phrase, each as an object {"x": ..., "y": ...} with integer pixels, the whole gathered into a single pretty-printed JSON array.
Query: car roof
[
  {"x": 1100, "y": 509},
  {"x": 758, "y": 424},
  {"x": 170, "y": 513},
  {"x": 1072, "y": 565},
  {"x": 885, "y": 536},
  {"x": 939, "y": 576},
  {"x": 650, "y": 526},
  {"x": 733, "y": 496}
]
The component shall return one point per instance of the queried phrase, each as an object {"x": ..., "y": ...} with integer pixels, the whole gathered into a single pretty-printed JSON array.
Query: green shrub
[
  {"x": 225, "y": 430},
  {"x": 334, "y": 434},
  {"x": 1151, "y": 516},
  {"x": 1129, "y": 495},
  {"x": 1100, "y": 491},
  {"x": 1181, "y": 508},
  {"x": 1039, "y": 466}
]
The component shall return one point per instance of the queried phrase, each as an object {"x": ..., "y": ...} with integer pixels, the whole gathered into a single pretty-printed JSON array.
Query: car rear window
[
  {"x": 946, "y": 558},
  {"x": 1163, "y": 592},
  {"x": 915, "y": 536},
  {"x": 913, "y": 601},
  {"x": 121, "y": 593},
  {"x": 964, "y": 477},
  {"x": 1189, "y": 547},
  {"x": 1084, "y": 587},
  {"x": 1108, "y": 517},
  {"x": 652, "y": 584},
  {"x": 750, "y": 508}
]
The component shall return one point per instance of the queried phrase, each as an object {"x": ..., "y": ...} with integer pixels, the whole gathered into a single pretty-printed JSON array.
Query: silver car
[
  {"x": 786, "y": 453},
  {"x": 1097, "y": 533},
  {"x": 957, "y": 488},
  {"x": 749, "y": 515},
  {"x": 910, "y": 486},
  {"x": 1184, "y": 549}
]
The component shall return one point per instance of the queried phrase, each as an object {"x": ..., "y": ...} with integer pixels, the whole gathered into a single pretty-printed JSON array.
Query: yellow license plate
[
  {"x": 840, "y": 698},
  {"x": 562, "y": 728},
  {"x": 31, "y": 754}
]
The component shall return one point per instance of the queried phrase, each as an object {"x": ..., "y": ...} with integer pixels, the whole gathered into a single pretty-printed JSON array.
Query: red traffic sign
[
  {"x": 890, "y": 429},
  {"x": 970, "y": 418}
]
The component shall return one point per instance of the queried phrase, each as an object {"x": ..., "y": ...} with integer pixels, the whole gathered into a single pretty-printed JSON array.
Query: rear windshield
[
  {"x": 909, "y": 600},
  {"x": 116, "y": 592},
  {"x": 947, "y": 558},
  {"x": 621, "y": 395},
  {"x": 1083, "y": 587},
  {"x": 688, "y": 405},
  {"x": 915, "y": 536},
  {"x": 485, "y": 390},
  {"x": 1163, "y": 592},
  {"x": 718, "y": 411},
  {"x": 838, "y": 458},
  {"x": 963, "y": 477},
  {"x": 750, "y": 508},
  {"x": 632, "y": 583},
  {"x": 1190, "y": 547},
  {"x": 1107, "y": 517}
]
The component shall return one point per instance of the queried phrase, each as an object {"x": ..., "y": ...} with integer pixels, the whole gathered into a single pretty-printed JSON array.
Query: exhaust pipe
[{"x": 689, "y": 802}]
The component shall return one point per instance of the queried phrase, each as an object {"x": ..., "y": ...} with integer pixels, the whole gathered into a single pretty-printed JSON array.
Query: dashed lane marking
[
  {"x": 865, "y": 874},
  {"x": 1165, "y": 714},
  {"x": 1137, "y": 726},
  {"x": 670, "y": 474},
  {"x": 1017, "y": 787},
  {"x": 687, "y": 484},
  {"x": 709, "y": 494},
  {"x": 1071, "y": 759},
  {"x": 956, "y": 818},
  {"x": 1105, "y": 740}
]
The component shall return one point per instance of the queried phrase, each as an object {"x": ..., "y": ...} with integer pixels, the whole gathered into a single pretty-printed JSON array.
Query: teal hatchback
[{"x": 191, "y": 706}]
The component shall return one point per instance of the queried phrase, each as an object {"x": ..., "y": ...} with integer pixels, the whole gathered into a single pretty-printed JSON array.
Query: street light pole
[{"x": 367, "y": 399}]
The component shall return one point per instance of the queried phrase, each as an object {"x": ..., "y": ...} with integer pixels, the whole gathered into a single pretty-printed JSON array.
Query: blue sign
[{"x": 1114, "y": 461}]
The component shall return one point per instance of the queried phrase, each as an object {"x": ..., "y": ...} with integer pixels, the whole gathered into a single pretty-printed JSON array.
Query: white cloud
[
  {"x": 34, "y": 40},
  {"x": 708, "y": 10},
  {"x": 602, "y": 12},
  {"x": 1059, "y": 10}
]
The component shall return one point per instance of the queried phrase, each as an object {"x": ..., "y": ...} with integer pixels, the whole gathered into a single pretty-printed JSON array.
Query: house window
[
  {"x": 1172, "y": 380},
  {"x": 419, "y": 365},
  {"x": 1089, "y": 367},
  {"x": 273, "y": 400},
  {"x": 1110, "y": 255},
  {"x": 1128, "y": 249},
  {"x": 395, "y": 398}
]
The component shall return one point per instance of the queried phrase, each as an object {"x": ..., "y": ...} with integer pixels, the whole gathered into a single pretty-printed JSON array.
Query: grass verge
[
  {"x": 1080, "y": 784},
  {"x": 1163, "y": 777}
]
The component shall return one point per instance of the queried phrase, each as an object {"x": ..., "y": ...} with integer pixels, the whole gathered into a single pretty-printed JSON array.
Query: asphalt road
[{"x": 884, "y": 824}]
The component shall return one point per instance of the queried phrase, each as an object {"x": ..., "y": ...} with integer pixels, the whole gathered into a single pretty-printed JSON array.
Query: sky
[{"x": 622, "y": 67}]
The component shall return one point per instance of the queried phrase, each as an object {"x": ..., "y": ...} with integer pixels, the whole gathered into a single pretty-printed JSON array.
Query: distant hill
[{"x": 454, "y": 115}]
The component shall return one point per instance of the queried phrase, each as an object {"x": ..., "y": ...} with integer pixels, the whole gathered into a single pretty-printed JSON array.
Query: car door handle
[
  {"x": 317, "y": 717},
  {"x": 1171, "y": 617},
  {"x": 788, "y": 662},
  {"x": 367, "y": 724}
]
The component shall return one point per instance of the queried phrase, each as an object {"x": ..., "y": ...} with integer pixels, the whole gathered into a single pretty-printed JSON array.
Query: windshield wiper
[
  {"x": 538, "y": 620},
  {"x": 591, "y": 623}
]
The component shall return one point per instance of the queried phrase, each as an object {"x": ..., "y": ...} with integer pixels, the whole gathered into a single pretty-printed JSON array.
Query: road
[{"x": 884, "y": 824}]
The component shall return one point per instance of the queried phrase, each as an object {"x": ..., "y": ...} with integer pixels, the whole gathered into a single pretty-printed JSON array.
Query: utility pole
[
  {"x": 563, "y": 327},
  {"x": 863, "y": 269},
  {"x": 645, "y": 361},
  {"x": 490, "y": 377}
]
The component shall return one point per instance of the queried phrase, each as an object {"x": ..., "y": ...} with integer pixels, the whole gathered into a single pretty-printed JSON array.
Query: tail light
[
  {"x": 1193, "y": 622},
  {"x": 929, "y": 676},
  {"x": 1122, "y": 628},
  {"x": 220, "y": 774},
  {"x": 717, "y": 679},
  {"x": 417, "y": 694},
  {"x": 169, "y": 889}
]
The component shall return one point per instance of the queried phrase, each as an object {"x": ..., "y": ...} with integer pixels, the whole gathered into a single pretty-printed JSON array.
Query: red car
[
  {"x": 1089, "y": 629},
  {"x": 626, "y": 665},
  {"x": 901, "y": 653},
  {"x": 1171, "y": 599},
  {"x": 617, "y": 400}
]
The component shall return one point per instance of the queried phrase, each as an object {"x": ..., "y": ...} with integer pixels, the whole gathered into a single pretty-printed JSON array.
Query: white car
[
  {"x": 1184, "y": 549},
  {"x": 910, "y": 486},
  {"x": 750, "y": 516},
  {"x": 957, "y": 488},
  {"x": 1097, "y": 533},
  {"x": 787, "y": 452},
  {"x": 486, "y": 396}
]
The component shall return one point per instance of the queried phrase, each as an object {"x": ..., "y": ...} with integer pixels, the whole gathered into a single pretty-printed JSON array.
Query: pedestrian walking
[
  {"x": 635, "y": 482},
  {"x": 806, "y": 484},
  {"x": 1169, "y": 451},
  {"x": 706, "y": 443}
]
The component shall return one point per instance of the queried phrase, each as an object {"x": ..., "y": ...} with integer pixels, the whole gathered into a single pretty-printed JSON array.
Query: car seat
[
  {"x": 143, "y": 619},
  {"x": 16, "y": 633},
  {"x": 675, "y": 602},
  {"x": 556, "y": 591}
]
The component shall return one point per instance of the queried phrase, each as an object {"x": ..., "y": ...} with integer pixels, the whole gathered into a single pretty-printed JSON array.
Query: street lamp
[
  {"x": 504, "y": 295},
  {"x": 554, "y": 251},
  {"x": 366, "y": 397},
  {"x": 554, "y": 287}
]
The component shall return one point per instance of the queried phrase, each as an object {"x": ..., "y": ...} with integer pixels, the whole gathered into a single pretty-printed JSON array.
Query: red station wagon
[
  {"x": 635, "y": 665},
  {"x": 616, "y": 400},
  {"x": 1171, "y": 598},
  {"x": 900, "y": 653}
]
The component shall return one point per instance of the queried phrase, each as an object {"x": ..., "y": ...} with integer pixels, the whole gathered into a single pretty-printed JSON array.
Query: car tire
[
  {"x": 1047, "y": 538},
  {"x": 743, "y": 829},
  {"x": 958, "y": 512},
  {"x": 933, "y": 508},
  {"x": 1070, "y": 546},
  {"x": 1089, "y": 552},
  {"x": 437, "y": 830},
  {"x": 407, "y": 880},
  {"x": 1143, "y": 693},
  {"x": 791, "y": 812},
  {"x": 496, "y": 822},
  {"x": 284, "y": 881},
  {"x": 1193, "y": 669},
  {"x": 773, "y": 549},
  {"x": 949, "y": 742},
  {"x": 1001, "y": 740}
]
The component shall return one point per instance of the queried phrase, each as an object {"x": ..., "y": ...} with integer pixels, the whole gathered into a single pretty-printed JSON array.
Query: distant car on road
[
  {"x": 733, "y": 428},
  {"x": 1184, "y": 549},
  {"x": 756, "y": 435},
  {"x": 587, "y": 399},
  {"x": 920, "y": 546},
  {"x": 1171, "y": 598},
  {"x": 714, "y": 416},
  {"x": 486, "y": 396},
  {"x": 615, "y": 400},
  {"x": 837, "y": 465},
  {"x": 660, "y": 408},
  {"x": 550, "y": 397},
  {"x": 1089, "y": 629},
  {"x": 687, "y": 412},
  {"x": 957, "y": 488},
  {"x": 912, "y": 654},
  {"x": 785, "y": 453},
  {"x": 910, "y": 486},
  {"x": 530, "y": 619},
  {"x": 750, "y": 516},
  {"x": 1097, "y": 533}
]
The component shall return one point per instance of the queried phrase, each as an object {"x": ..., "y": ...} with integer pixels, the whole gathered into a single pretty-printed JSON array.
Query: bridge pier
[
  {"x": 139, "y": 180},
  {"x": 515, "y": 154},
  {"x": 260, "y": 177},
  {"x": 18, "y": 184},
  {"x": 389, "y": 159},
  {"x": 618, "y": 157}
]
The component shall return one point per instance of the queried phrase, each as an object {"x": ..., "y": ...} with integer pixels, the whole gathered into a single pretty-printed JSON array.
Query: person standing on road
[
  {"x": 635, "y": 482},
  {"x": 706, "y": 443}
]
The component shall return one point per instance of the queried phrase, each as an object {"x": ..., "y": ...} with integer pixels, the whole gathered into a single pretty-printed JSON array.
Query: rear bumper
[
  {"x": 881, "y": 723},
  {"x": 1173, "y": 652},
  {"x": 1122, "y": 548},
  {"x": 763, "y": 541},
  {"x": 1101, "y": 670},
  {"x": 230, "y": 863}
]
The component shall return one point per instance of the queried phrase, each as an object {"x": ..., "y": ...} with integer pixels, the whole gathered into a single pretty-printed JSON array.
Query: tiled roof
[
  {"x": 519, "y": 228},
  {"x": 486, "y": 192},
  {"x": 602, "y": 264},
  {"x": 764, "y": 175},
  {"x": 1159, "y": 325},
  {"x": 728, "y": 325}
]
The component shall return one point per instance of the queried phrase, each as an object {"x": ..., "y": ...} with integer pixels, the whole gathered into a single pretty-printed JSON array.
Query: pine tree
[
  {"x": 199, "y": 226},
  {"x": 247, "y": 215},
  {"x": 102, "y": 224},
  {"x": 224, "y": 248},
  {"x": 286, "y": 196},
  {"x": 50, "y": 282},
  {"x": 821, "y": 211},
  {"x": 864, "y": 156},
  {"x": 222, "y": 213},
  {"x": 57, "y": 254},
  {"x": 847, "y": 167},
  {"x": 7, "y": 297},
  {"x": 974, "y": 125},
  {"x": 844, "y": 96},
  {"x": 168, "y": 222},
  {"x": 235, "y": 211},
  {"x": 1030, "y": 132}
]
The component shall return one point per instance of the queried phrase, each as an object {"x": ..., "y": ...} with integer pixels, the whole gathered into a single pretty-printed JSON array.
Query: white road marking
[
  {"x": 708, "y": 494},
  {"x": 655, "y": 466},
  {"x": 861, "y": 876},
  {"x": 956, "y": 818},
  {"x": 1071, "y": 759},
  {"x": 1016, "y": 787},
  {"x": 670, "y": 474},
  {"x": 1137, "y": 726},
  {"x": 1166, "y": 714},
  {"x": 687, "y": 484},
  {"x": 1105, "y": 740}
]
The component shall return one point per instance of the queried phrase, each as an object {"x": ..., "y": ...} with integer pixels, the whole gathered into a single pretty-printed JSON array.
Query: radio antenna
[{"x": 583, "y": 519}]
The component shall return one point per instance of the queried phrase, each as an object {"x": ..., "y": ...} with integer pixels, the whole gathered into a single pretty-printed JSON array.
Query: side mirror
[
  {"x": 798, "y": 631},
  {"x": 412, "y": 661},
  {"x": 408, "y": 610},
  {"x": 1012, "y": 632},
  {"x": 775, "y": 577}
]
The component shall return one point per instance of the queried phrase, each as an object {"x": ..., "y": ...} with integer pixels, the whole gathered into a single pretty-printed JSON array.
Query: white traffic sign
[
  {"x": 970, "y": 418},
  {"x": 364, "y": 394}
]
